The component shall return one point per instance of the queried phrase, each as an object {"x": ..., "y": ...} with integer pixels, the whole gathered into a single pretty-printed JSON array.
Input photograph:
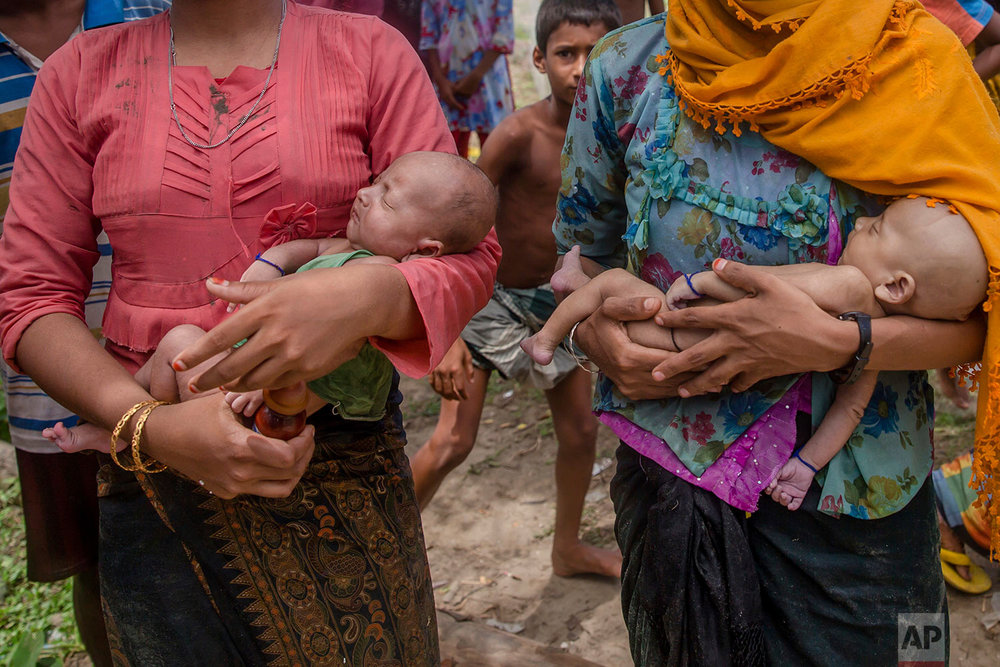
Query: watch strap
[{"x": 852, "y": 371}]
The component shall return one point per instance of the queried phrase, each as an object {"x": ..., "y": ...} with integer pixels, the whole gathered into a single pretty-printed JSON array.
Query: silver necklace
[{"x": 246, "y": 117}]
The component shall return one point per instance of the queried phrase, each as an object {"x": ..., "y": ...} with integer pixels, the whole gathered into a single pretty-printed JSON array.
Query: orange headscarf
[{"x": 877, "y": 94}]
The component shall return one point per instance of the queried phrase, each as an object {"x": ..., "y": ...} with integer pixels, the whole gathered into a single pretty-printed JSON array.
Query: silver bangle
[{"x": 582, "y": 362}]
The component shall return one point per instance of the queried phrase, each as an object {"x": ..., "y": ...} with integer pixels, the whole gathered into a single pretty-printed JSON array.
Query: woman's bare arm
[{"x": 201, "y": 439}]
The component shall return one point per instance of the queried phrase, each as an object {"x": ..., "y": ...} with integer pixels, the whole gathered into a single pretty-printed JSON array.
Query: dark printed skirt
[
  {"x": 335, "y": 574},
  {"x": 702, "y": 585}
]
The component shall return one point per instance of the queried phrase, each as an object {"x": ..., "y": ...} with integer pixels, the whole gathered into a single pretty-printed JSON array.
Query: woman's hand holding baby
[
  {"x": 303, "y": 326},
  {"x": 604, "y": 338},
  {"x": 775, "y": 330},
  {"x": 239, "y": 461}
]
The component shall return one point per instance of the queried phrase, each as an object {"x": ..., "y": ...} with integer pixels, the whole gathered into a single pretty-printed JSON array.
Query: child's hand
[
  {"x": 680, "y": 292},
  {"x": 467, "y": 85},
  {"x": 455, "y": 372},
  {"x": 791, "y": 484},
  {"x": 446, "y": 91},
  {"x": 246, "y": 402}
]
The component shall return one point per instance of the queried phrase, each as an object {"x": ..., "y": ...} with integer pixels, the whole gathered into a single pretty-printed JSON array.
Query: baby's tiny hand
[
  {"x": 679, "y": 294},
  {"x": 791, "y": 485},
  {"x": 245, "y": 403}
]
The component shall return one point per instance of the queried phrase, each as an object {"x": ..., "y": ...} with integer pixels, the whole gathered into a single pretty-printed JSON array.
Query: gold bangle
[
  {"x": 118, "y": 429},
  {"x": 149, "y": 465}
]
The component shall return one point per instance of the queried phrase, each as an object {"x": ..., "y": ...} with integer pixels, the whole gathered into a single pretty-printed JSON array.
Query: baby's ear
[
  {"x": 897, "y": 290},
  {"x": 427, "y": 248}
]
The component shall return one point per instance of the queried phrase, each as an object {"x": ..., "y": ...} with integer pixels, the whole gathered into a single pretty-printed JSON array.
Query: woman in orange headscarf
[{"x": 757, "y": 131}]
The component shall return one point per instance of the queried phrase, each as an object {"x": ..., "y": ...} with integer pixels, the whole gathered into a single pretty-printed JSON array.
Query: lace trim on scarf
[
  {"x": 777, "y": 26},
  {"x": 854, "y": 78}
]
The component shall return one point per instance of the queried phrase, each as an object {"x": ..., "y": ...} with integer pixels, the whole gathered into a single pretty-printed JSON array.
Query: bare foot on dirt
[
  {"x": 584, "y": 558},
  {"x": 78, "y": 438},
  {"x": 570, "y": 276}
]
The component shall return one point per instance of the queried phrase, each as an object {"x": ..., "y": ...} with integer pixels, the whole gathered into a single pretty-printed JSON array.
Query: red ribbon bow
[{"x": 287, "y": 223}]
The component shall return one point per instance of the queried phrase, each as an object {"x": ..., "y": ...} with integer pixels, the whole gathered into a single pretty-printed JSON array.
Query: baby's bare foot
[
  {"x": 538, "y": 349},
  {"x": 584, "y": 558},
  {"x": 78, "y": 438},
  {"x": 570, "y": 276}
]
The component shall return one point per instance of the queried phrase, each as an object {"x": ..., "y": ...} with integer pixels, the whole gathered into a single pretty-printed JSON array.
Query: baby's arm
[
  {"x": 792, "y": 483},
  {"x": 835, "y": 289},
  {"x": 290, "y": 256},
  {"x": 689, "y": 287},
  {"x": 576, "y": 307}
]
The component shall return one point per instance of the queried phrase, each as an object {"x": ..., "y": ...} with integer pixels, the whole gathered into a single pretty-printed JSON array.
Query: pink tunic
[{"x": 100, "y": 148}]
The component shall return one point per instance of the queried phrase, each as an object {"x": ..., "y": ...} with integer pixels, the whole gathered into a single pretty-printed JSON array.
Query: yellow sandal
[{"x": 978, "y": 581}]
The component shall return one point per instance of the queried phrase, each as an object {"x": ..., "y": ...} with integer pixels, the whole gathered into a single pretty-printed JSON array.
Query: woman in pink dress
[{"x": 196, "y": 139}]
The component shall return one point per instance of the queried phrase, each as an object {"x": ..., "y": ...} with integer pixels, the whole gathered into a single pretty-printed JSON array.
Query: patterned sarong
[{"x": 335, "y": 574}]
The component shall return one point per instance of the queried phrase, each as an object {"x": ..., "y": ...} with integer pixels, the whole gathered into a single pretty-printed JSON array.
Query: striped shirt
[{"x": 29, "y": 409}]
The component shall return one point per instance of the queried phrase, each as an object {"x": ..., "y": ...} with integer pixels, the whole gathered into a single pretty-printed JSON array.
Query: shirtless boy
[
  {"x": 424, "y": 204},
  {"x": 522, "y": 157},
  {"x": 900, "y": 262}
]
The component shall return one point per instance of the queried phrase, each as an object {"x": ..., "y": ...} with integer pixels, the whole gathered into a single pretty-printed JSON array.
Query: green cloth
[{"x": 359, "y": 388}]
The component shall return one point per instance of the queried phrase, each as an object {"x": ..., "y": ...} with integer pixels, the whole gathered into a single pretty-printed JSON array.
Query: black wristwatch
[{"x": 852, "y": 371}]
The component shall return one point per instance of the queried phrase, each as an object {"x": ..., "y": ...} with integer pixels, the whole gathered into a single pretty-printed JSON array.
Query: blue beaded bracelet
[
  {"x": 687, "y": 277},
  {"x": 260, "y": 258},
  {"x": 803, "y": 462}
]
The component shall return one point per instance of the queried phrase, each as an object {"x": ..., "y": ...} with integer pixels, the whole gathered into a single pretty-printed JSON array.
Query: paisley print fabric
[{"x": 334, "y": 574}]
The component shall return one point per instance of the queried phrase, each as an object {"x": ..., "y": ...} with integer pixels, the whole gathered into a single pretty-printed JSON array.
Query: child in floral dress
[{"x": 466, "y": 43}]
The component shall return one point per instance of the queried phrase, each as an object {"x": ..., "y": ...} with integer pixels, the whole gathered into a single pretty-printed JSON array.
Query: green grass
[{"x": 32, "y": 616}]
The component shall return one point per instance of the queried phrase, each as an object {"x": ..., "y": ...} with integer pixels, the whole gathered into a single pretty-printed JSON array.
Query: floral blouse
[
  {"x": 646, "y": 188},
  {"x": 462, "y": 31}
]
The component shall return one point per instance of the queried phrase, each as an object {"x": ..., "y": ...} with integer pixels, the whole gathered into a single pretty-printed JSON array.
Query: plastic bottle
[{"x": 283, "y": 413}]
